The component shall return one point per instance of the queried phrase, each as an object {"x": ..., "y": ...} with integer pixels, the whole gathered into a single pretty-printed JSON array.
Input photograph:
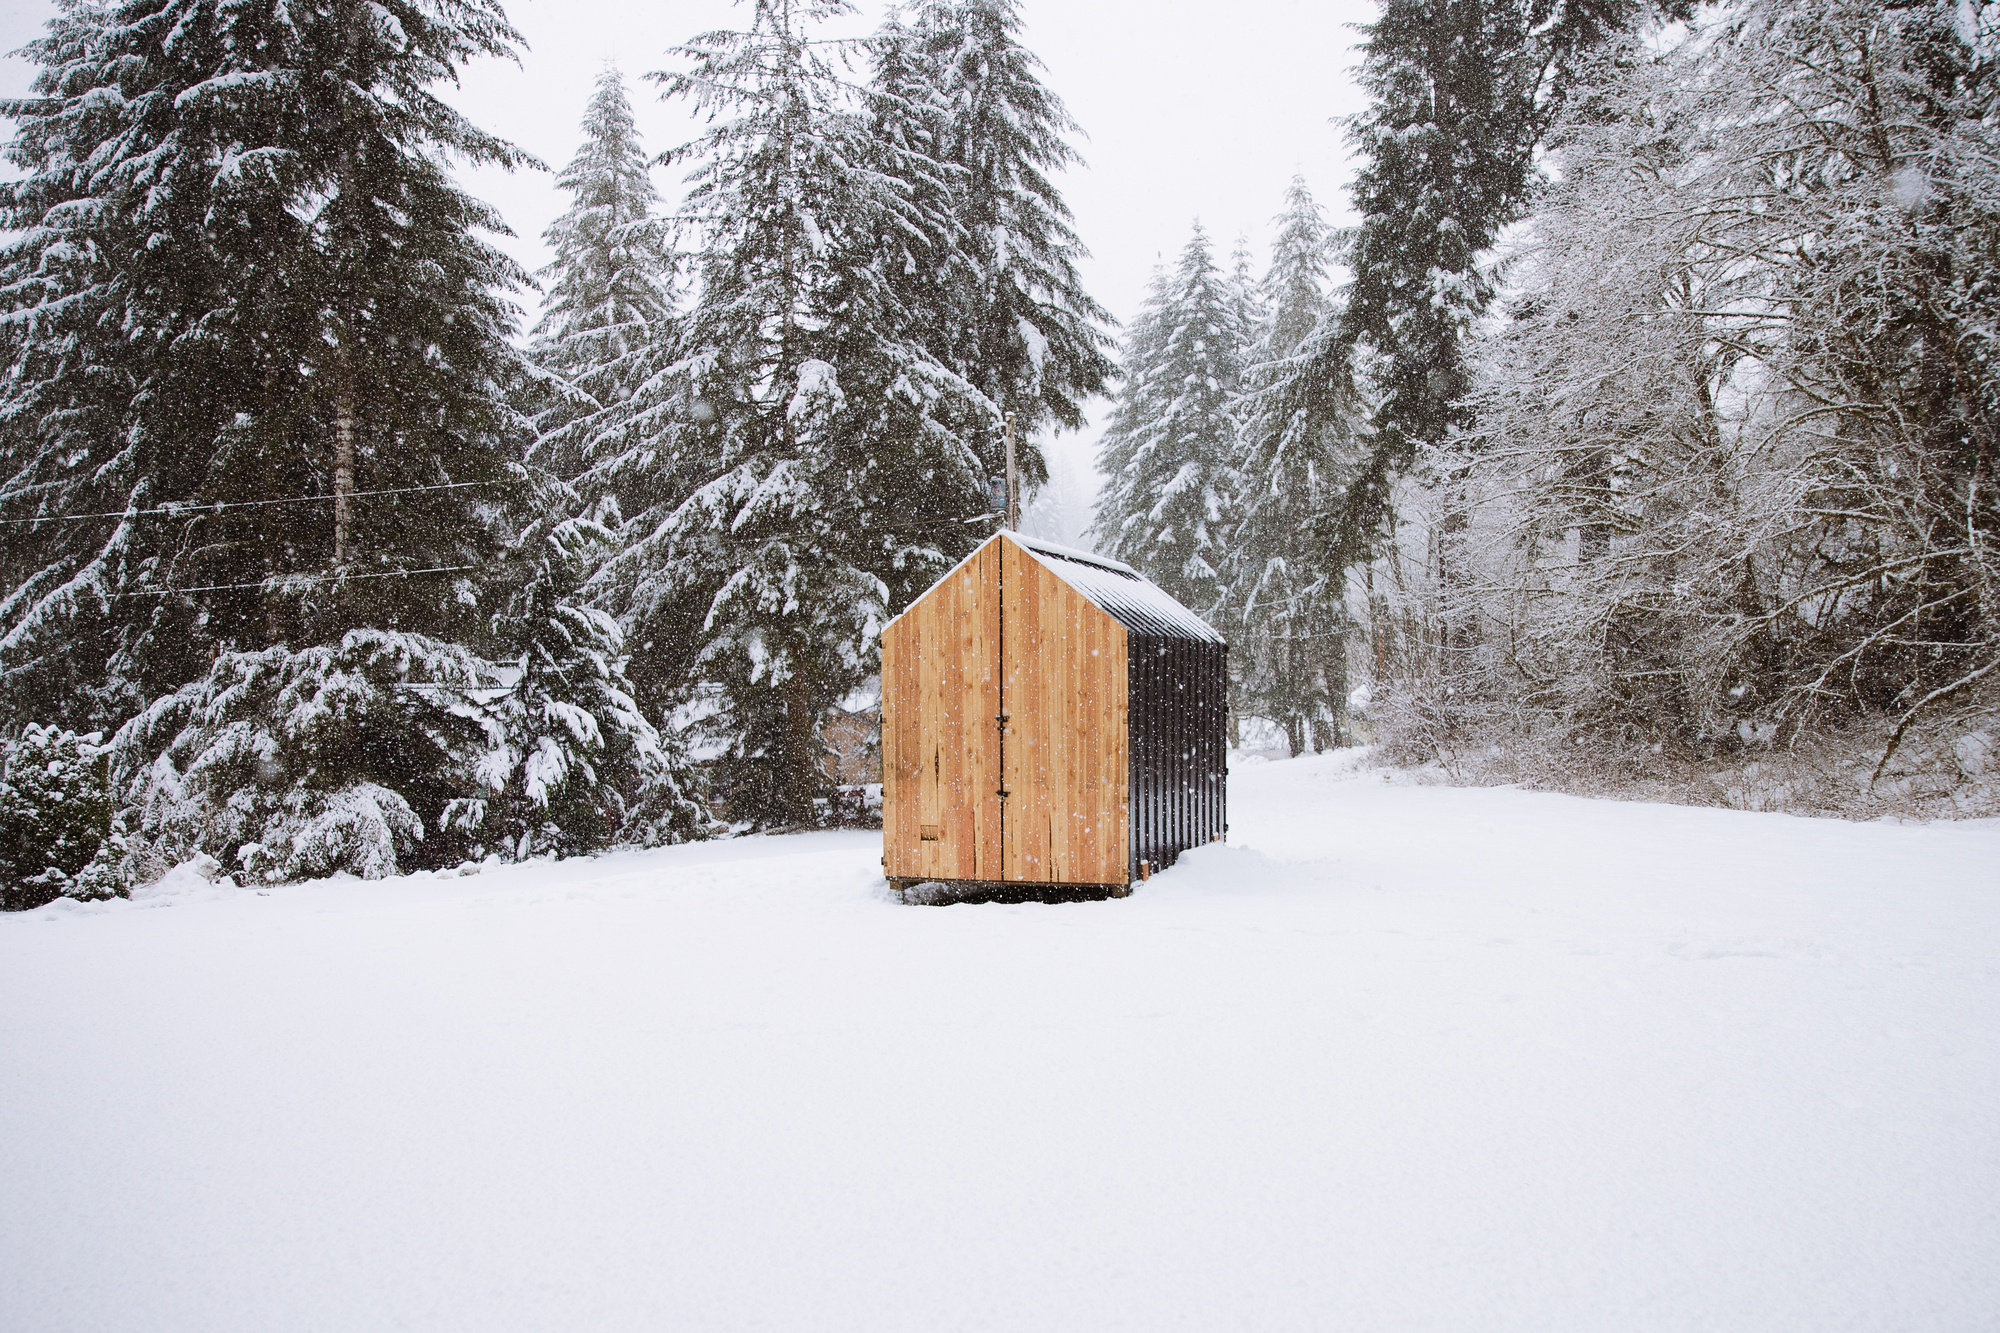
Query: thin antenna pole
[{"x": 1013, "y": 481}]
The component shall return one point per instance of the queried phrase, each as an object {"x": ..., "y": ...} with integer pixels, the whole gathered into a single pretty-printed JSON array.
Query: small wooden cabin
[{"x": 1050, "y": 720}]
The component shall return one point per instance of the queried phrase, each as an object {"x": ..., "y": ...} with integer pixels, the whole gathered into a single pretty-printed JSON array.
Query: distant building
[{"x": 854, "y": 741}]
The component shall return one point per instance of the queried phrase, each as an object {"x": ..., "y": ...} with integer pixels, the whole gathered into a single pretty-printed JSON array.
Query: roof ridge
[
  {"x": 1134, "y": 601},
  {"x": 1080, "y": 556},
  {"x": 1127, "y": 596}
]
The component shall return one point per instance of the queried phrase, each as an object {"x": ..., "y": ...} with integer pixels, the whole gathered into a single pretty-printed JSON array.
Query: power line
[
  {"x": 320, "y": 578},
  {"x": 197, "y": 510}
]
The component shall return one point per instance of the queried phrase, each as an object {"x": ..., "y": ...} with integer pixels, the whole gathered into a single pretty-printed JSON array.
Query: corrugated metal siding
[{"x": 1179, "y": 723}]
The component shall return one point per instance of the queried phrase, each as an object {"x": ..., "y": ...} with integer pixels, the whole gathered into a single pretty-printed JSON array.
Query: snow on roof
[
  {"x": 1112, "y": 586},
  {"x": 1072, "y": 553},
  {"x": 1119, "y": 591}
]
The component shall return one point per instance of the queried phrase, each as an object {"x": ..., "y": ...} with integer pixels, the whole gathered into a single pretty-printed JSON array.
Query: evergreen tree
[
  {"x": 817, "y": 460},
  {"x": 55, "y": 816},
  {"x": 1168, "y": 455},
  {"x": 1288, "y": 611},
  {"x": 1463, "y": 93},
  {"x": 1138, "y": 402},
  {"x": 571, "y": 764},
  {"x": 248, "y": 312},
  {"x": 1295, "y": 287},
  {"x": 242, "y": 300},
  {"x": 605, "y": 326},
  {"x": 404, "y": 340},
  {"x": 118, "y": 348},
  {"x": 998, "y": 296},
  {"x": 1247, "y": 296}
]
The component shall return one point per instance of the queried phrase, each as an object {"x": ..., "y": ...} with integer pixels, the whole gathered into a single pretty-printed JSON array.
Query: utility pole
[{"x": 1013, "y": 518}]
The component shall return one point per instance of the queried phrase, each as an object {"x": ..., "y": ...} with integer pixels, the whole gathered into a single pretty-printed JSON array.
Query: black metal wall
[{"x": 1178, "y": 712}]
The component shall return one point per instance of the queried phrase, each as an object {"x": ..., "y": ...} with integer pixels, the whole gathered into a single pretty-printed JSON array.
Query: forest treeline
[
  {"x": 343, "y": 574},
  {"x": 1647, "y": 442},
  {"x": 1642, "y": 421}
]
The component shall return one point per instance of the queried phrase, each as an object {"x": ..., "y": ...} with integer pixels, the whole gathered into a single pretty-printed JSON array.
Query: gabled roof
[
  {"x": 1120, "y": 591},
  {"x": 1115, "y": 588}
]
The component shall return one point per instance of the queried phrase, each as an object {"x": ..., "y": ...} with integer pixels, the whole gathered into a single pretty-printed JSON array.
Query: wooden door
[
  {"x": 940, "y": 733},
  {"x": 1063, "y": 668}
]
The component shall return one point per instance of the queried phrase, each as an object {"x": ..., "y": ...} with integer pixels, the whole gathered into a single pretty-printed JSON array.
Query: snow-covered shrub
[
  {"x": 388, "y": 752},
  {"x": 55, "y": 818},
  {"x": 293, "y": 763},
  {"x": 1976, "y": 753},
  {"x": 570, "y": 763},
  {"x": 363, "y": 828}
]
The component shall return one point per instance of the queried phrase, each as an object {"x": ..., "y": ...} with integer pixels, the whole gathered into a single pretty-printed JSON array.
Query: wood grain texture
[
  {"x": 940, "y": 741},
  {"x": 1063, "y": 669},
  {"x": 1005, "y": 616}
]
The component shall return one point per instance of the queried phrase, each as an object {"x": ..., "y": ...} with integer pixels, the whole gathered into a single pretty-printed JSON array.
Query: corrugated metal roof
[
  {"x": 1077, "y": 554},
  {"x": 1114, "y": 587},
  {"x": 1118, "y": 589}
]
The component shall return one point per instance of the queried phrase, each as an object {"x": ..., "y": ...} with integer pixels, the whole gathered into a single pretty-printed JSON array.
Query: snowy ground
[{"x": 1399, "y": 1058}]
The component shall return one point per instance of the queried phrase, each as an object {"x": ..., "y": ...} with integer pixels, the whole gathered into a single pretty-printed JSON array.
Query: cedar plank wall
[
  {"x": 940, "y": 744},
  {"x": 1066, "y": 754}
]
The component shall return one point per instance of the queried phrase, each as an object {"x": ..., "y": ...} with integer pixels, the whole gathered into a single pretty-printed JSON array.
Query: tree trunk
[
  {"x": 270, "y": 521},
  {"x": 1381, "y": 651},
  {"x": 343, "y": 470},
  {"x": 1449, "y": 540},
  {"x": 1336, "y": 687},
  {"x": 274, "y": 633},
  {"x": 803, "y": 776}
]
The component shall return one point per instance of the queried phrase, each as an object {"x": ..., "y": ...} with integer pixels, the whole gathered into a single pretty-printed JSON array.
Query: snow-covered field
[{"x": 1397, "y": 1058}]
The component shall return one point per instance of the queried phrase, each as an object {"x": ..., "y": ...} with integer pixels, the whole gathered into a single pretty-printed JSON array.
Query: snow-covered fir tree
[
  {"x": 1287, "y": 609},
  {"x": 127, "y": 351},
  {"x": 571, "y": 764},
  {"x": 1461, "y": 94},
  {"x": 1295, "y": 285},
  {"x": 605, "y": 328},
  {"x": 819, "y": 459},
  {"x": 250, "y": 314},
  {"x": 405, "y": 357},
  {"x": 1246, "y": 293},
  {"x": 241, "y": 274},
  {"x": 1169, "y": 454},
  {"x": 998, "y": 297}
]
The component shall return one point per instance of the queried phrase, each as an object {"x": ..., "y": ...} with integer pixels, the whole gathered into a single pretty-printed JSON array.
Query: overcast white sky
[{"x": 1191, "y": 109}]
